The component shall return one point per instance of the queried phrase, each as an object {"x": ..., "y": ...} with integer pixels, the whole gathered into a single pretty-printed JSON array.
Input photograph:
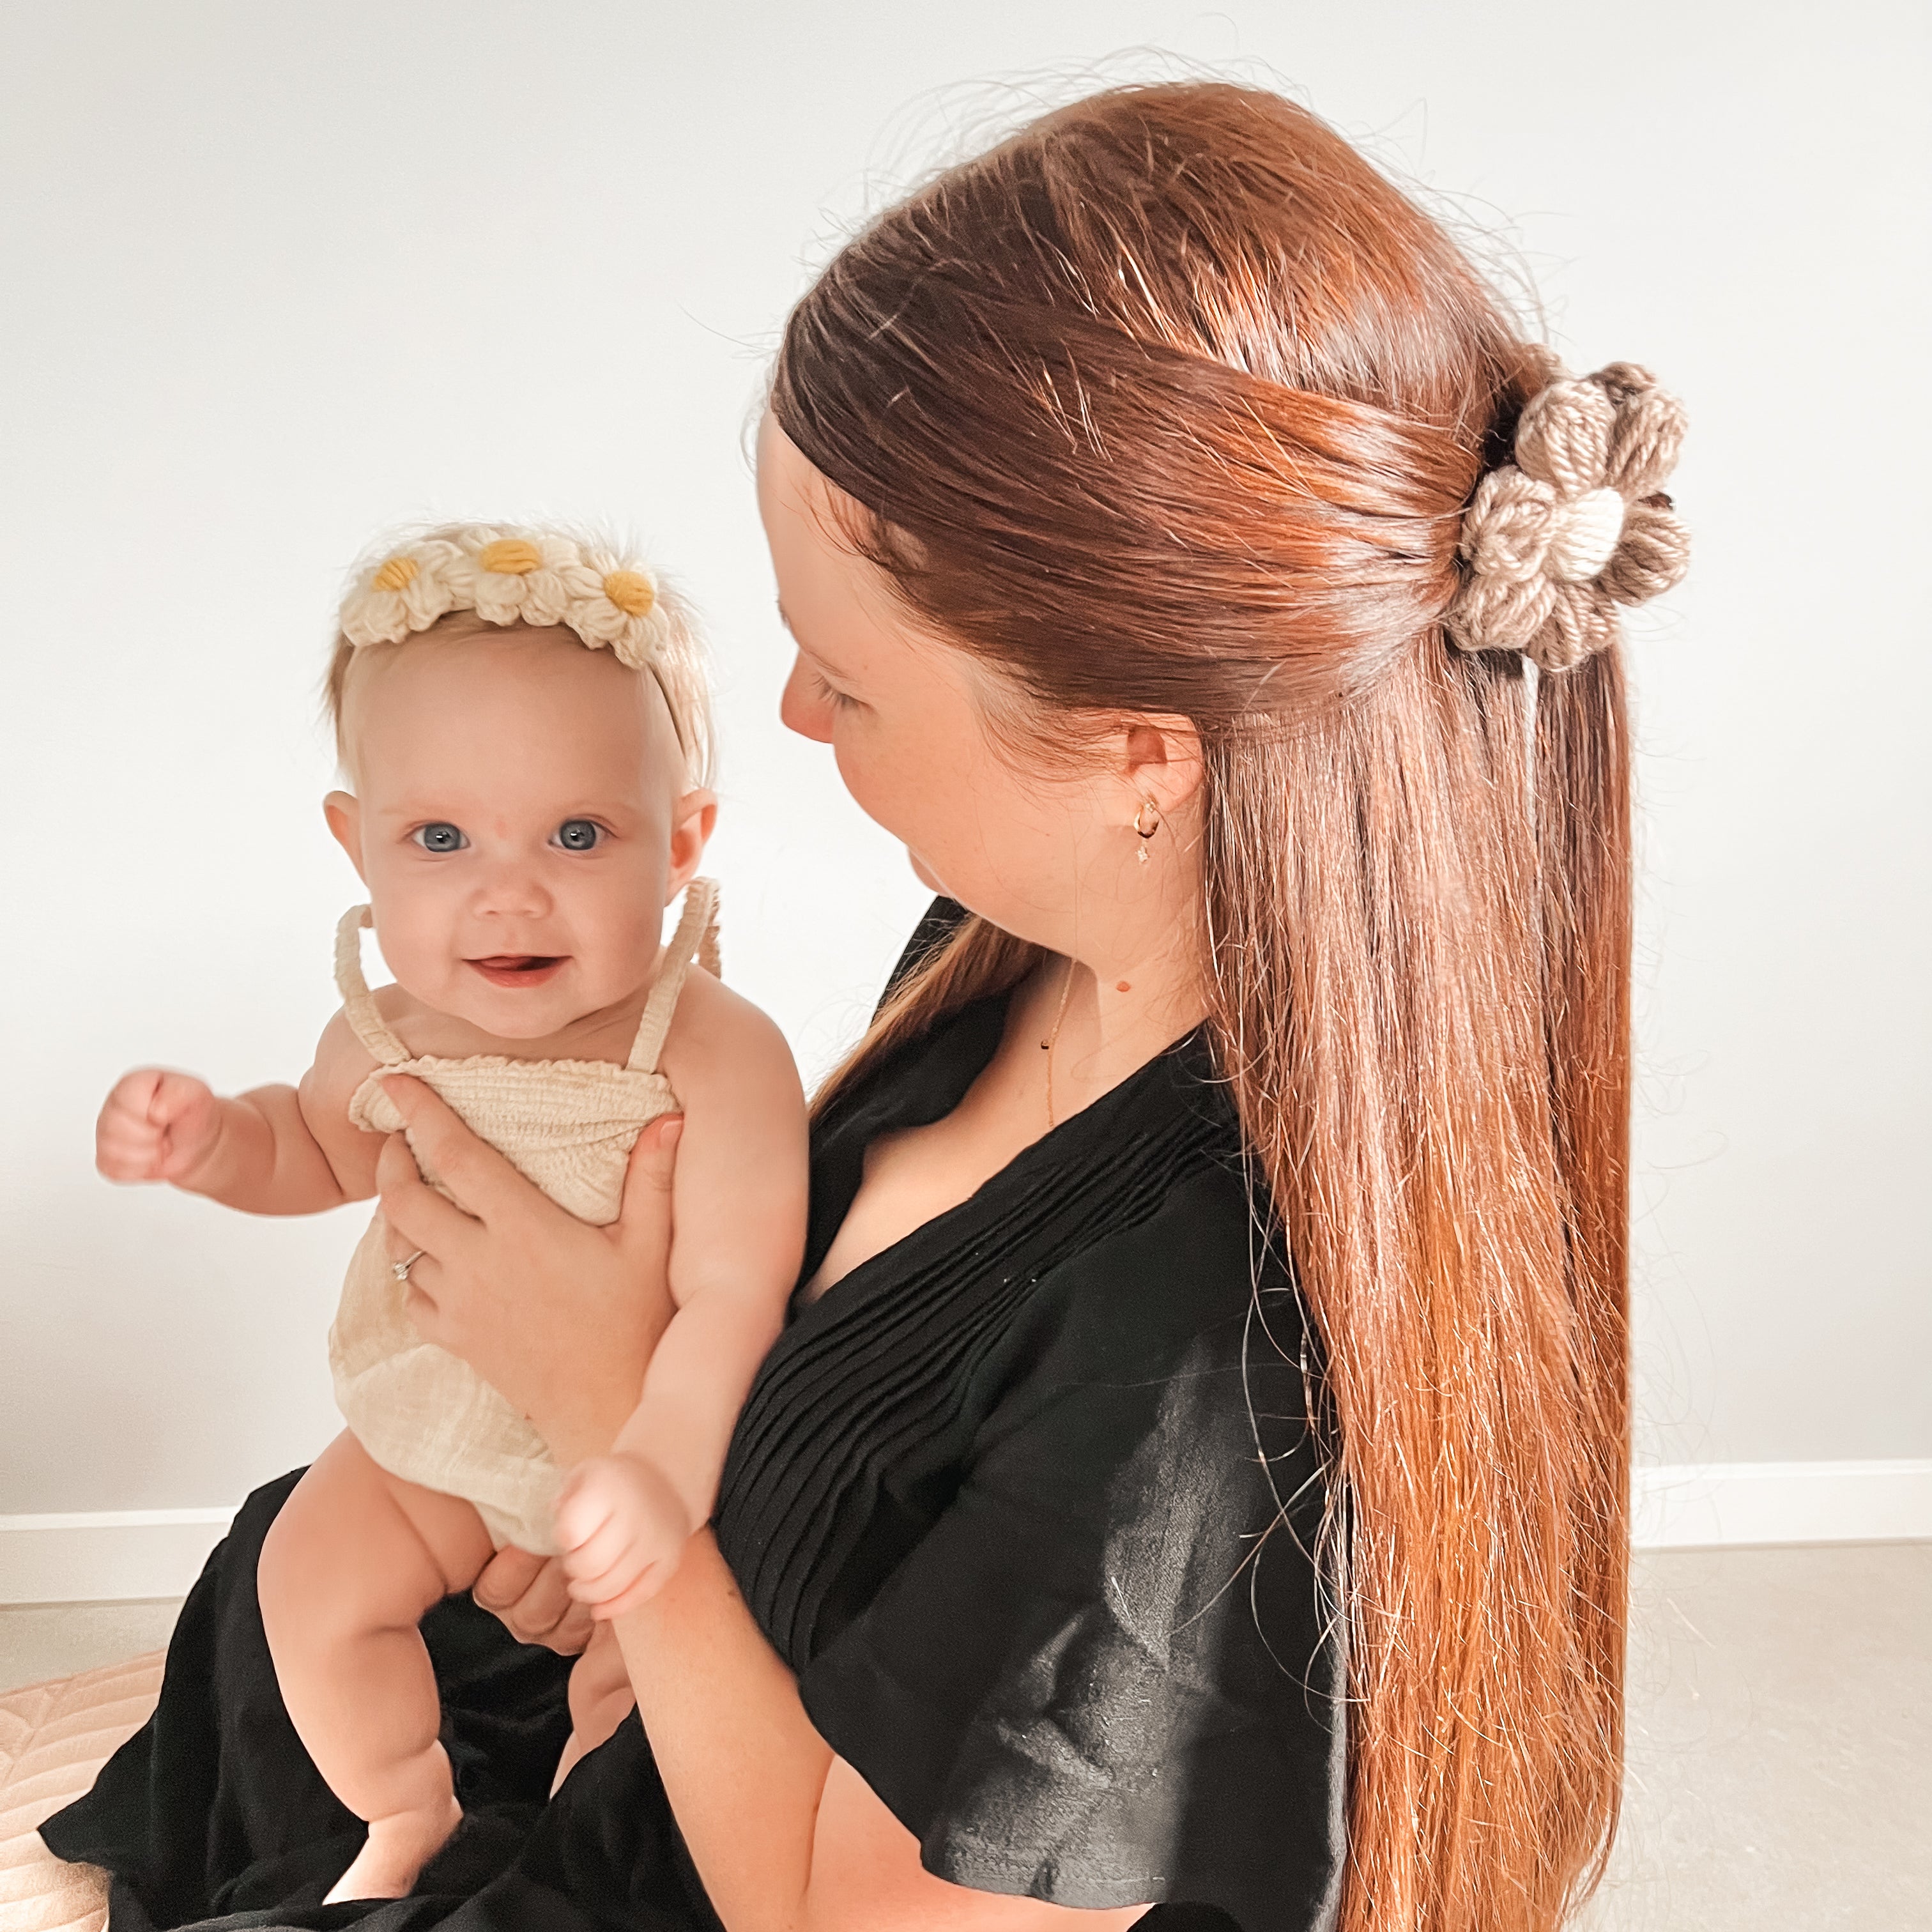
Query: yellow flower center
[
  {"x": 510, "y": 556},
  {"x": 398, "y": 573},
  {"x": 631, "y": 591}
]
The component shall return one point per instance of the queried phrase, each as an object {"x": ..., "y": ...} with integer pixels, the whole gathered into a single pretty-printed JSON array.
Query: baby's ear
[
  {"x": 693, "y": 818},
  {"x": 343, "y": 811}
]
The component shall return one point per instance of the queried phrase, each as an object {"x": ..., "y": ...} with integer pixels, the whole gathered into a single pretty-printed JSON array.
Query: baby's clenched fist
[
  {"x": 156, "y": 1125},
  {"x": 623, "y": 1528}
]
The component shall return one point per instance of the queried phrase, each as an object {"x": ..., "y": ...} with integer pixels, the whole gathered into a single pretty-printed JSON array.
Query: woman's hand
[
  {"x": 531, "y": 1596},
  {"x": 558, "y": 1316}
]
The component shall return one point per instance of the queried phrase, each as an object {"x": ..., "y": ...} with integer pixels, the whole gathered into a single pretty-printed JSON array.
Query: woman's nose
[{"x": 802, "y": 710}]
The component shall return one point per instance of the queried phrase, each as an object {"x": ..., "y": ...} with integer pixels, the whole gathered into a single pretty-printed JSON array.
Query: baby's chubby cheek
[
  {"x": 613, "y": 943},
  {"x": 422, "y": 943}
]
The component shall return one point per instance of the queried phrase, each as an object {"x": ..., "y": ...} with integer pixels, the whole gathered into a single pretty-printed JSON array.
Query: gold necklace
[{"x": 1047, "y": 1045}]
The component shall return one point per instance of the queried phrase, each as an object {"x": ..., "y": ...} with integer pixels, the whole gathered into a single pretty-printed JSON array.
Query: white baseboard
[
  {"x": 1705, "y": 1505},
  {"x": 91, "y": 1556},
  {"x": 106, "y": 1555}
]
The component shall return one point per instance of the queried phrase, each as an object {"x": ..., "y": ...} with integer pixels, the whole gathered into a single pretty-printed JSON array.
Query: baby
[{"x": 523, "y": 721}]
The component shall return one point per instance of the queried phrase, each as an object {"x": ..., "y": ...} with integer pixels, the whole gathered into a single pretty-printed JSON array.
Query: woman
[{"x": 1141, "y": 503}]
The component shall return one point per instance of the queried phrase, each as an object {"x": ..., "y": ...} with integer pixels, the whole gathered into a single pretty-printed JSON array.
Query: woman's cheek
[
  {"x": 916, "y": 808},
  {"x": 856, "y": 772}
]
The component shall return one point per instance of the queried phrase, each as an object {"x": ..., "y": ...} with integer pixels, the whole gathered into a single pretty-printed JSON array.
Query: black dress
[{"x": 1027, "y": 1501}]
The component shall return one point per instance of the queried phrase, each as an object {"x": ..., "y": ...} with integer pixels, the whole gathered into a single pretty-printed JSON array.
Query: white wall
[{"x": 276, "y": 276}]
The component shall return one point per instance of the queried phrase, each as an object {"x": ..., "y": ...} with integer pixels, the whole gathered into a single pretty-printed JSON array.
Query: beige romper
[{"x": 568, "y": 1125}]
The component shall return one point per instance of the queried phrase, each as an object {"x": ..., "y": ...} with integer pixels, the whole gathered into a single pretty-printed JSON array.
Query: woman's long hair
[{"x": 1171, "y": 404}]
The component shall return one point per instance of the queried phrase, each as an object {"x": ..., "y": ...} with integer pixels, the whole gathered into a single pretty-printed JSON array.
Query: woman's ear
[
  {"x": 1161, "y": 760},
  {"x": 692, "y": 820},
  {"x": 343, "y": 811}
]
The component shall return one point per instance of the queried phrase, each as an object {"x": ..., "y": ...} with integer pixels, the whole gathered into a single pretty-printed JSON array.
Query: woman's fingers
[
  {"x": 423, "y": 1305},
  {"x": 505, "y": 1580},
  {"x": 531, "y": 1596},
  {"x": 421, "y": 1224},
  {"x": 642, "y": 1228},
  {"x": 570, "y": 1635},
  {"x": 480, "y": 1178},
  {"x": 419, "y": 1217}
]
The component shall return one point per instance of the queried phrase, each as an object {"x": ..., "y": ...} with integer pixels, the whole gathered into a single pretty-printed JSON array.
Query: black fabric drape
[
  {"x": 212, "y": 1816},
  {"x": 1029, "y": 1502}
]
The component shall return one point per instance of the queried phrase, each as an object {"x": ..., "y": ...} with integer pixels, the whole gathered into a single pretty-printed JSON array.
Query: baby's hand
[
  {"x": 156, "y": 1125},
  {"x": 623, "y": 1529}
]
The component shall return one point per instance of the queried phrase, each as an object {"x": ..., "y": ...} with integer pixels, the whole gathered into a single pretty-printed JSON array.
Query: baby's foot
[{"x": 398, "y": 1848}]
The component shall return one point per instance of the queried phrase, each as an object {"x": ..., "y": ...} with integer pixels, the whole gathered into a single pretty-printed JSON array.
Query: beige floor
[
  {"x": 1780, "y": 1734},
  {"x": 39, "y": 1640},
  {"x": 1781, "y": 1750}
]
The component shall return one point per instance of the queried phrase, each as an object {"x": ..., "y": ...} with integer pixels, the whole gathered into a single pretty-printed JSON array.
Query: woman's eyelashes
[{"x": 827, "y": 692}]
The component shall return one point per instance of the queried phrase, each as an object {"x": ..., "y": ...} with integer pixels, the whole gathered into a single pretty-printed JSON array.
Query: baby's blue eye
[
  {"x": 440, "y": 837},
  {"x": 579, "y": 835}
]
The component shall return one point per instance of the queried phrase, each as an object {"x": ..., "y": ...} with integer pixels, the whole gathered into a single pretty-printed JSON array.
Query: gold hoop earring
[{"x": 1148, "y": 811}]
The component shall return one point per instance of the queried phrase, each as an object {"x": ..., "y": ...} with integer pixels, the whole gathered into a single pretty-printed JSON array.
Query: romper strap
[
  {"x": 697, "y": 934},
  {"x": 359, "y": 1004}
]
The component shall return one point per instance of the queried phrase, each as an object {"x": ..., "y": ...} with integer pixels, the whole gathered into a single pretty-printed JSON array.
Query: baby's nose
[{"x": 512, "y": 891}]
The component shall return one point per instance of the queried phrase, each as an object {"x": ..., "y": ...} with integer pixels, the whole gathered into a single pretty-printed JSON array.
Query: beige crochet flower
[
  {"x": 619, "y": 606},
  {"x": 407, "y": 590},
  {"x": 522, "y": 576},
  {"x": 1577, "y": 526}
]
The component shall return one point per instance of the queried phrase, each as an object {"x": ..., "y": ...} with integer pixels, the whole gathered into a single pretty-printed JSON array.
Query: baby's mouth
[{"x": 518, "y": 969}]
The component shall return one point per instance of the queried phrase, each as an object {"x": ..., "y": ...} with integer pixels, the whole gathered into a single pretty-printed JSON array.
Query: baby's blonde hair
[{"x": 458, "y": 580}]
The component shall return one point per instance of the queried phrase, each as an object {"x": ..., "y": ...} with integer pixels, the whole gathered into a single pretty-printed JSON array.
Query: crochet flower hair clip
[{"x": 1577, "y": 525}]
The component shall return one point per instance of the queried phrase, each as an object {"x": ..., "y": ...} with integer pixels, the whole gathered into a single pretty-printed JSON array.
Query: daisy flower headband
[{"x": 509, "y": 575}]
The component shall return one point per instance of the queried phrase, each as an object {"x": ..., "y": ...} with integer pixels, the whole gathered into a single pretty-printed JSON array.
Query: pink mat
[{"x": 53, "y": 1738}]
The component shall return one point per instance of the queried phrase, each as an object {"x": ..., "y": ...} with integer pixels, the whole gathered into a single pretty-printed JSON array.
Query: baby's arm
[
  {"x": 738, "y": 1210},
  {"x": 275, "y": 1149}
]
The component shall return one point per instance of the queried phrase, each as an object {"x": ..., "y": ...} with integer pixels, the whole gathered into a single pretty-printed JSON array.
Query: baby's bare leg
[
  {"x": 600, "y": 1698},
  {"x": 348, "y": 1568}
]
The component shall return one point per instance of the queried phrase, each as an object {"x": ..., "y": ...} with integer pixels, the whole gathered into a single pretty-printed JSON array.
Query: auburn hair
[{"x": 1171, "y": 403}]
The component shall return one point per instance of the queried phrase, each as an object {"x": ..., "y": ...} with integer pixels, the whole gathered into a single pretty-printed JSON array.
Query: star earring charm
[{"x": 1147, "y": 822}]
